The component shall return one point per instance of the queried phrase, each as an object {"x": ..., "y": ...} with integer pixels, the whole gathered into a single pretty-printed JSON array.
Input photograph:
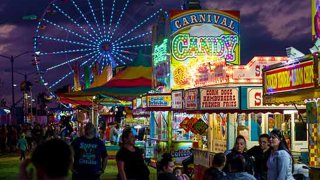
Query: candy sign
[{"x": 219, "y": 98}]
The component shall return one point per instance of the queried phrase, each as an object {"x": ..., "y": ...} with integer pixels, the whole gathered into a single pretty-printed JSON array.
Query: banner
[{"x": 219, "y": 98}]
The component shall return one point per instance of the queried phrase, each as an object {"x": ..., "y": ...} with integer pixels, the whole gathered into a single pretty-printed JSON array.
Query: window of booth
[
  {"x": 178, "y": 133},
  {"x": 159, "y": 125}
]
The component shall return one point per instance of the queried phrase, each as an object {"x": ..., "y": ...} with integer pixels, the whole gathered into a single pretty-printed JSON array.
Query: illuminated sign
[
  {"x": 185, "y": 46},
  {"x": 176, "y": 97},
  {"x": 160, "y": 53},
  {"x": 159, "y": 100},
  {"x": 292, "y": 77},
  {"x": 255, "y": 100},
  {"x": 200, "y": 41},
  {"x": 191, "y": 99},
  {"x": 219, "y": 98}
]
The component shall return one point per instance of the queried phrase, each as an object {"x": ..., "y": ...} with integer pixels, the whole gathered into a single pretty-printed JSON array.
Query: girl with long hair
[{"x": 280, "y": 162}]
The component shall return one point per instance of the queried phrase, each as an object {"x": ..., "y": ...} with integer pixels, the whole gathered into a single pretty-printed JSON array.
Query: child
[
  {"x": 22, "y": 145},
  {"x": 178, "y": 172}
]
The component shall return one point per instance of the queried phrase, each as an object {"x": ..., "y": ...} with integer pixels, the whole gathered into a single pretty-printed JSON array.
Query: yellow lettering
[
  {"x": 283, "y": 79},
  {"x": 271, "y": 81},
  {"x": 297, "y": 76},
  {"x": 308, "y": 74}
]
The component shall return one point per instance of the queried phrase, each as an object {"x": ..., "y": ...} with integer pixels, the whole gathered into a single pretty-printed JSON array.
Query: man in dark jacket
[
  {"x": 260, "y": 154},
  {"x": 215, "y": 172}
]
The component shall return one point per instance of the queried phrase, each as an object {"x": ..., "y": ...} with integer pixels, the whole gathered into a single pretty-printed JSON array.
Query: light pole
[{"x": 12, "y": 58}]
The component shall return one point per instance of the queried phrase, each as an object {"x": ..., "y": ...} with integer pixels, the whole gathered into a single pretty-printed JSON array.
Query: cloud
[{"x": 282, "y": 19}]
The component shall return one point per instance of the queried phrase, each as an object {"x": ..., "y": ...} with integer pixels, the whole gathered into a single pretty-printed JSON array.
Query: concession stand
[{"x": 297, "y": 82}]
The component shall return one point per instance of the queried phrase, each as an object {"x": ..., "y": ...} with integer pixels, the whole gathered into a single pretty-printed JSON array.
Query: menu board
[
  {"x": 219, "y": 98},
  {"x": 159, "y": 100},
  {"x": 191, "y": 99},
  {"x": 176, "y": 97}
]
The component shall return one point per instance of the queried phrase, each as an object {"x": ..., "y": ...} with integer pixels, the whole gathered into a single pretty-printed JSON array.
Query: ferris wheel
[{"x": 86, "y": 32}]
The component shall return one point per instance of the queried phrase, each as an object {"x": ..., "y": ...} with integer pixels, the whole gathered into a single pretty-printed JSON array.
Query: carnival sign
[
  {"x": 202, "y": 39},
  {"x": 219, "y": 98},
  {"x": 176, "y": 97}
]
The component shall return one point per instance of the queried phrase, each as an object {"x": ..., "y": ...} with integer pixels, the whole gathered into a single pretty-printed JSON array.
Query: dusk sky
[{"x": 267, "y": 29}]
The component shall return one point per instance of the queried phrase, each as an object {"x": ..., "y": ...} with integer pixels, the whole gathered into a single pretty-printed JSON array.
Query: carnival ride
[{"x": 86, "y": 33}]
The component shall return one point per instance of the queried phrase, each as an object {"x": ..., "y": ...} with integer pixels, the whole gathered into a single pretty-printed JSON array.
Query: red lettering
[{"x": 257, "y": 99}]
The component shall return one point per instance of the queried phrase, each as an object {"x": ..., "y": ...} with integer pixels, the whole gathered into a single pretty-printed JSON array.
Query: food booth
[{"x": 297, "y": 82}]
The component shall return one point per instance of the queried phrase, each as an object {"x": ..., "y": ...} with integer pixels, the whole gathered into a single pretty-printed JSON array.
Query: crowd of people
[{"x": 86, "y": 156}]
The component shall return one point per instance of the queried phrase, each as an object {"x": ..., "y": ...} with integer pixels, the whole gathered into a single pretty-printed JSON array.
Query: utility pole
[{"x": 12, "y": 58}]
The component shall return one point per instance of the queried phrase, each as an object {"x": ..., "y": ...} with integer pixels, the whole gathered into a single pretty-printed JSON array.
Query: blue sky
[{"x": 267, "y": 28}]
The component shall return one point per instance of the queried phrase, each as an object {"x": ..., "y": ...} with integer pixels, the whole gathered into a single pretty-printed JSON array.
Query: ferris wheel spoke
[
  {"x": 69, "y": 61},
  {"x": 139, "y": 25},
  {"x": 114, "y": 55},
  {"x": 103, "y": 18},
  {"x": 110, "y": 21},
  {"x": 135, "y": 46},
  {"x": 84, "y": 17},
  {"x": 73, "y": 21},
  {"x": 67, "y": 30},
  {"x": 67, "y": 51},
  {"x": 120, "y": 17},
  {"x": 123, "y": 56},
  {"x": 71, "y": 72},
  {"x": 65, "y": 41},
  {"x": 134, "y": 38},
  {"x": 94, "y": 17},
  {"x": 59, "y": 80}
]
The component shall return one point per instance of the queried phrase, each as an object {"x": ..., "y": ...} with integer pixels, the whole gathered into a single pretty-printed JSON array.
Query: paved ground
[{"x": 9, "y": 166}]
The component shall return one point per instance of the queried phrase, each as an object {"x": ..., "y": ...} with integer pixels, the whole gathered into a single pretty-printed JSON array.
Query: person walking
[
  {"x": 280, "y": 162},
  {"x": 261, "y": 154},
  {"x": 130, "y": 160},
  {"x": 90, "y": 155},
  {"x": 22, "y": 145}
]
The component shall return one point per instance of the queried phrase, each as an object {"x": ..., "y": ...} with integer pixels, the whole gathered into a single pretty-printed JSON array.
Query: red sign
[{"x": 292, "y": 77}]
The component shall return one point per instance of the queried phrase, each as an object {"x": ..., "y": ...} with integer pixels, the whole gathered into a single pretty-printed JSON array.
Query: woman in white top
[{"x": 280, "y": 162}]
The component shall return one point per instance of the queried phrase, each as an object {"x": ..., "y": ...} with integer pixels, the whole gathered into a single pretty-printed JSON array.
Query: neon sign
[
  {"x": 293, "y": 77},
  {"x": 160, "y": 53},
  {"x": 186, "y": 46}
]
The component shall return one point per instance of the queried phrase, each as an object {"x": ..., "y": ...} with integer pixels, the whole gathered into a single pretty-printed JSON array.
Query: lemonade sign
[{"x": 201, "y": 39}]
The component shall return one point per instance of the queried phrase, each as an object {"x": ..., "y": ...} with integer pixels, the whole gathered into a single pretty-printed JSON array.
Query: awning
[{"x": 293, "y": 97}]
